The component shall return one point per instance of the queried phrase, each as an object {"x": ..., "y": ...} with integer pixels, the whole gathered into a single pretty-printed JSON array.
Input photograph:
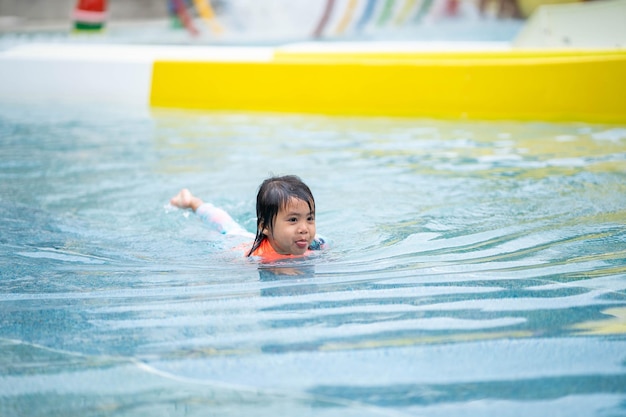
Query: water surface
[{"x": 476, "y": 268}]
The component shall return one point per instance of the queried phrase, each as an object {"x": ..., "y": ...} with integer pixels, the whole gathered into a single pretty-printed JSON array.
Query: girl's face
[{"x": 294, "y": 228}]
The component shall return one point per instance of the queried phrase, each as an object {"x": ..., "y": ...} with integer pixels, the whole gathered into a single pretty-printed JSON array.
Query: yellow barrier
[{"x": 542, "y": 85}]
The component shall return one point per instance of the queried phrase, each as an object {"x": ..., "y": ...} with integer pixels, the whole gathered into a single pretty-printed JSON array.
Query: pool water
[{"x": 476, "y": 268}]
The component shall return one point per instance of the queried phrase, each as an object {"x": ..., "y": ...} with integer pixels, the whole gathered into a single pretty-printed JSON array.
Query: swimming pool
[{"x": 476, "y": 268}]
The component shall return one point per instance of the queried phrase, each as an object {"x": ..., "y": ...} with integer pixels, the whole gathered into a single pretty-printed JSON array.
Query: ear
[{"x": 264, "y": 229}]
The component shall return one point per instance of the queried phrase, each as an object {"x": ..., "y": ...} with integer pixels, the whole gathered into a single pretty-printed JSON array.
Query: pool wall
[{"x": 451, "y": 80}]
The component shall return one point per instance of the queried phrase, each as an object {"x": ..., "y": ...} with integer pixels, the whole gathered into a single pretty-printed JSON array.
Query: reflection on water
[{"x": 475, "y": 267}]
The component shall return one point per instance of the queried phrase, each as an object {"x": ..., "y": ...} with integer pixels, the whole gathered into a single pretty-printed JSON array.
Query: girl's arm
[{"x": 215, "y": 216}]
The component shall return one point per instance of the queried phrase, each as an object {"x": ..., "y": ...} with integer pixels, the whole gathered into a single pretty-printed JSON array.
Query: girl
[{"x": 285, "y": 211}]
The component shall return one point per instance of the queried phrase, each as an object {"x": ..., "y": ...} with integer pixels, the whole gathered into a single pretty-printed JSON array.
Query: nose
[{"x": 303, "y": 228}]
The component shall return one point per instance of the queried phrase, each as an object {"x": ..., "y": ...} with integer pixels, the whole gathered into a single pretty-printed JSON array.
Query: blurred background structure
[
  {"x": 268, "y": 18},
  {"x": 219, "y": 21},
  {"x": 20, "y": 13},
  {"x": 263, "y": 21},
  {"x": 435, "y": 58}
]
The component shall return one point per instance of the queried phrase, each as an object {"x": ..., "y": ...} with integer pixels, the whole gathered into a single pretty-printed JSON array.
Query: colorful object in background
[
  {"x": 423, "y": 11},
  {"x": 368, "y": 11},
  {"x": 90, "y": 15},
  {"x": 336, "y": 18},
  {"x": 527, "y": 7},
  {"x": 183, "y": 15},
  {"x": 355, "y": 15},
  {"x": 386, "y": 13},
  {"x": 182, "y": 12},
  {"x": 328, "y": 10},
  {"x": 347, "y": 17},
  {"x": 174, "y": 19},
  {"x": 207, "y": 14},
  {"x": 405, "y": 12}
]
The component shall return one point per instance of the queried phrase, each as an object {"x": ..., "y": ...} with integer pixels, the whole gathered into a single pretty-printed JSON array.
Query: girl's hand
[{"x": 184, "y": 199}]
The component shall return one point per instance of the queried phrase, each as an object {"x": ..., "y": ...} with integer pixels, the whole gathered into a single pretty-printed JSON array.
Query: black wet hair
[{"x": 274, "y": 194}]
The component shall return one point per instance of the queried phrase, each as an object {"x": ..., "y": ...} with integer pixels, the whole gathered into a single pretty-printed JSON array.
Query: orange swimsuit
[{"x": 267, "y": 252}]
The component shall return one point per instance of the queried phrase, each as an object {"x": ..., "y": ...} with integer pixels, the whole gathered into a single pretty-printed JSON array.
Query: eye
[
  {"x": 292, "y": 219},
  {"x": 311, "y": 218}
]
